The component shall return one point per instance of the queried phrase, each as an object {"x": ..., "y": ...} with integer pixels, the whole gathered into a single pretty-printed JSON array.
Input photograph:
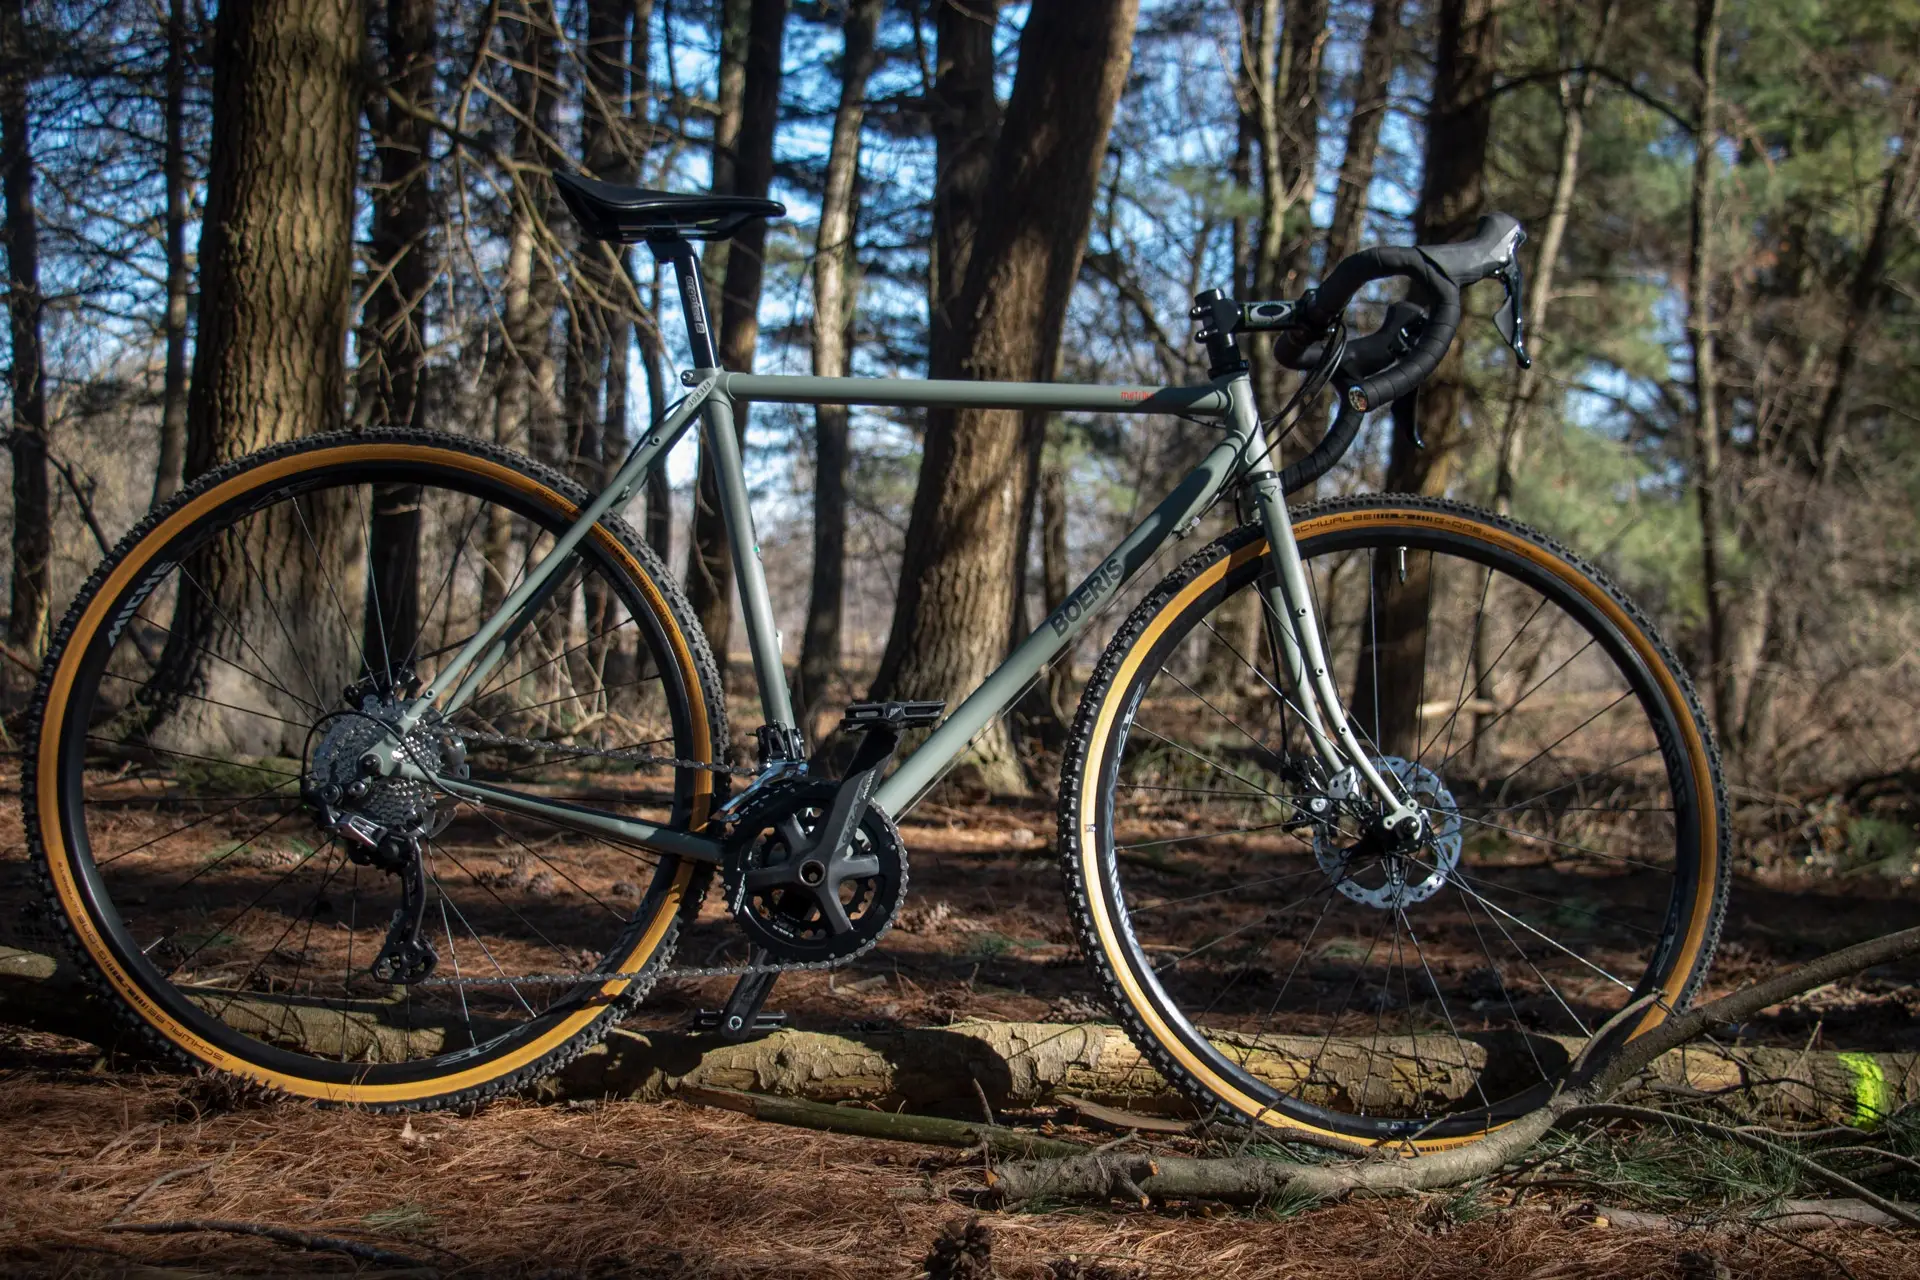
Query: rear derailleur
[
  {"x": 815, "y": 872},
  {"x": 381, "y": 819}
]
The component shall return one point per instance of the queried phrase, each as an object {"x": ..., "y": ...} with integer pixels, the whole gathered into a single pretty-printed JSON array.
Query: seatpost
[{"x": 678, "y": 253}]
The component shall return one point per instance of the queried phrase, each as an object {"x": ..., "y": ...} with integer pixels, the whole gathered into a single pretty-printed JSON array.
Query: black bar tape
[{"x": 1338, "y": 440}]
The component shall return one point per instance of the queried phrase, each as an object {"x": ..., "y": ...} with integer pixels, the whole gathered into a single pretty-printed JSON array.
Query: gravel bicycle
[{"x": 386, "y": 768}]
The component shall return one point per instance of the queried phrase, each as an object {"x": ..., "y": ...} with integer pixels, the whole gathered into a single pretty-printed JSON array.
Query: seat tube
[{"x": 723, "y": 447}]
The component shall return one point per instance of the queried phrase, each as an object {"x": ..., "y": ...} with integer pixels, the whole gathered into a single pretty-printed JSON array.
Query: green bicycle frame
[{"x": 1227, "y": 402}]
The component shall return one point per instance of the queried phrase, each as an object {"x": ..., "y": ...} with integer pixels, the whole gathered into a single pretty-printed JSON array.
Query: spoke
[
  {"x": 1359, "y": 973},
  {"x": 550, "y": 865},
  {"x": 372, "y": 597},
  {"x": 214, "y": 702},
  {"x": 167, "y": 835},
  {"x": 1479, "y": 1084},
  {"x": 1508, "y": 710},
  {"x": 555, "y": 947},
  {"x": 1212, "y": 764},
  {"x": 246, "y": 557},
  {"x": 453, "y": 954},
  {"x": 1558, "y": 904},
  {"x": 481, "y": 942},
  {"x": 319, "y": 562},
  {"x": 242, "y": 913},
  {"x": 1240, "y": 887},
  {"x": 446, "y": 585},
  {"x": 1547, "y": 751},
  {"x": 1466, "y": 662},
  {"x": 247, "y": 644},
  {"x": 1562, "y": 844},
  {"x": 1557, "y": 945},
  {"x": 188, "y": 755},
  {"x": 1203, "y": 700},
  {"x": 1221, "y": 637},
  {"x": 1213, "y": 835},
  {"x": 1585, "y": 777},
  {"x": 1299, "y": 958},
  {"x": 1493, "y": 966},
  {"x": 1529, "y": 961},
  {"x": 1491, "y": 666},
  {"x": 293, "y": 922}
]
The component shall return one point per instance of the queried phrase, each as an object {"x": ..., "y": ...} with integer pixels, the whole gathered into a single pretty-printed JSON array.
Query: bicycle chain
[
  {"x": 686, "y": 971},
  {"x": 625, "y": 754}
]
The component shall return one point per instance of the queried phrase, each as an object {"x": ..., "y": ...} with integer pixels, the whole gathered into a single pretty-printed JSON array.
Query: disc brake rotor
[{"x": 1392, "y": 879}]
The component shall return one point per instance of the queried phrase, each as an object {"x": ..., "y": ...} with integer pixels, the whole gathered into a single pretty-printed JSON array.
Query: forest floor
[{"x": 670, "y": 1189}]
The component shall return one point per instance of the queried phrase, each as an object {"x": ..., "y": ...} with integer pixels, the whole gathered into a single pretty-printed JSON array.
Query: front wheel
[
  {"x": 1287, "y": 960},
  {"x": 261, "y": 626}
]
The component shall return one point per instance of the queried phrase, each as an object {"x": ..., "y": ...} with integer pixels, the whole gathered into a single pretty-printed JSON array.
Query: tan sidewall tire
[{"x": 650, "y": 942}]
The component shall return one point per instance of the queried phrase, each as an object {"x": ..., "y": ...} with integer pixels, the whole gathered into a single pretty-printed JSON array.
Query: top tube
[{"x": 1209, "y": 400}]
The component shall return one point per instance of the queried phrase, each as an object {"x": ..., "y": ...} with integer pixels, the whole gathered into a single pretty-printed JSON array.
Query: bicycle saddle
[{"x": 627, "y": 215}]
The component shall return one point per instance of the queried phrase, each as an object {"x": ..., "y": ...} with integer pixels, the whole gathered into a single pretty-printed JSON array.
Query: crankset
[{"x": 815, "y": 872}]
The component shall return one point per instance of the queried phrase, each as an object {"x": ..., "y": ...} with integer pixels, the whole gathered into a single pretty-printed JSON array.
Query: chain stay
[{"x": 686, "y": 971}]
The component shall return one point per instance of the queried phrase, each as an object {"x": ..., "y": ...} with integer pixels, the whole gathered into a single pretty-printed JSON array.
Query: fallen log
[{"x": 1013, "y": 1064}]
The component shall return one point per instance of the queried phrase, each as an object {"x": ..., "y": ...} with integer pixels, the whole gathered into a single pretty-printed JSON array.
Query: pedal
[
  {"x": 894, "y": 715},
  {"x": 713, "y": 1019}
]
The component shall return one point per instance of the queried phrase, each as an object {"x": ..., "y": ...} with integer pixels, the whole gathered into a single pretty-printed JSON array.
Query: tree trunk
[
  {"x": 1377, "y": 53},
  {"x": 749, "y": 169},
  {"x": 966, "y": 125},
  {"x": 1016, "y": 1064},
  {"x": 1576, "y": 95},
  {"x": 524, "y": 412},
  {"x": 1869, "y": 282},
  {"x": 833, "y": 307},
  {"x": 1452, "y": 196},
  {"x": 955, "y": 606},
  {"x": 393, "y": 342},
  {"x": 28, "y": 619},
  {"x": 1706, "y": 378},
  {"x": 173, "y": 394},
  {"x": 270, "y": 361}
]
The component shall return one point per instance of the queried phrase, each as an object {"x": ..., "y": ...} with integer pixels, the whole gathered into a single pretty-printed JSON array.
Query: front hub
[{"x": 1391, "y": 869}]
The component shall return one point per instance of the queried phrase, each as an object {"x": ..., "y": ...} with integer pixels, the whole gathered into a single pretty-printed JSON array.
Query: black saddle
[{"x": 627, "y": 215}]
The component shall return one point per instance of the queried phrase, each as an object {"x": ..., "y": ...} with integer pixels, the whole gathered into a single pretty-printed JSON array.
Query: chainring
[{"x": 781, "y": 890}]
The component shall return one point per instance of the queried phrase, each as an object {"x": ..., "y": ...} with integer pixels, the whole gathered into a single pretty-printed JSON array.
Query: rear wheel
[
  {"x": 204, "y": 668},
  {"x": 1268, "y": 944}
]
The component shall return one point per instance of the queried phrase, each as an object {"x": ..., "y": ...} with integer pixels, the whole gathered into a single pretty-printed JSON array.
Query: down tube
[{"x": 921, "y": 769}]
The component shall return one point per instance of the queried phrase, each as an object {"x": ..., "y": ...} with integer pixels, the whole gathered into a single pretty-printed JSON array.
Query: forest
[{"x": 240, "y": 225}]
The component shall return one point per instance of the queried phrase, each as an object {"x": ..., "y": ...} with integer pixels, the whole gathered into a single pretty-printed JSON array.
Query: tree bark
[
  {"x": 955, "y": 605},
  {"x": 966, "y": 125},
  {"x": 1452, "y": 196},
  {"x": 173, "y": 394},
  {"x": 1016, "y": 1064},
  {"x": 748, "y": 168},
  {"x": 1706, "y": 376},
  {"x": 1576, "y": 95},
  {"x": 834, "y": 294},
  {"x": 1370, "y": 94},
  {"x": 393, "y": 342},
  {"x": 30, "y": 609},
  {"x": 1869, "y": 282},
  {"x": 270, "y": 360},
  {"x": 524, "y": 411}
]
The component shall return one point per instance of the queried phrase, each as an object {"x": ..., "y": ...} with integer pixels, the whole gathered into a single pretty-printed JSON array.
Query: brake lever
[{"x": 1508, "y": 319}]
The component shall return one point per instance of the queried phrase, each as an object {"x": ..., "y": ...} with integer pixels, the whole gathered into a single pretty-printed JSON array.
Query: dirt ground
[
  {"x": 663, "y": 1190},
  {"x": 671, "y": 1189}
]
